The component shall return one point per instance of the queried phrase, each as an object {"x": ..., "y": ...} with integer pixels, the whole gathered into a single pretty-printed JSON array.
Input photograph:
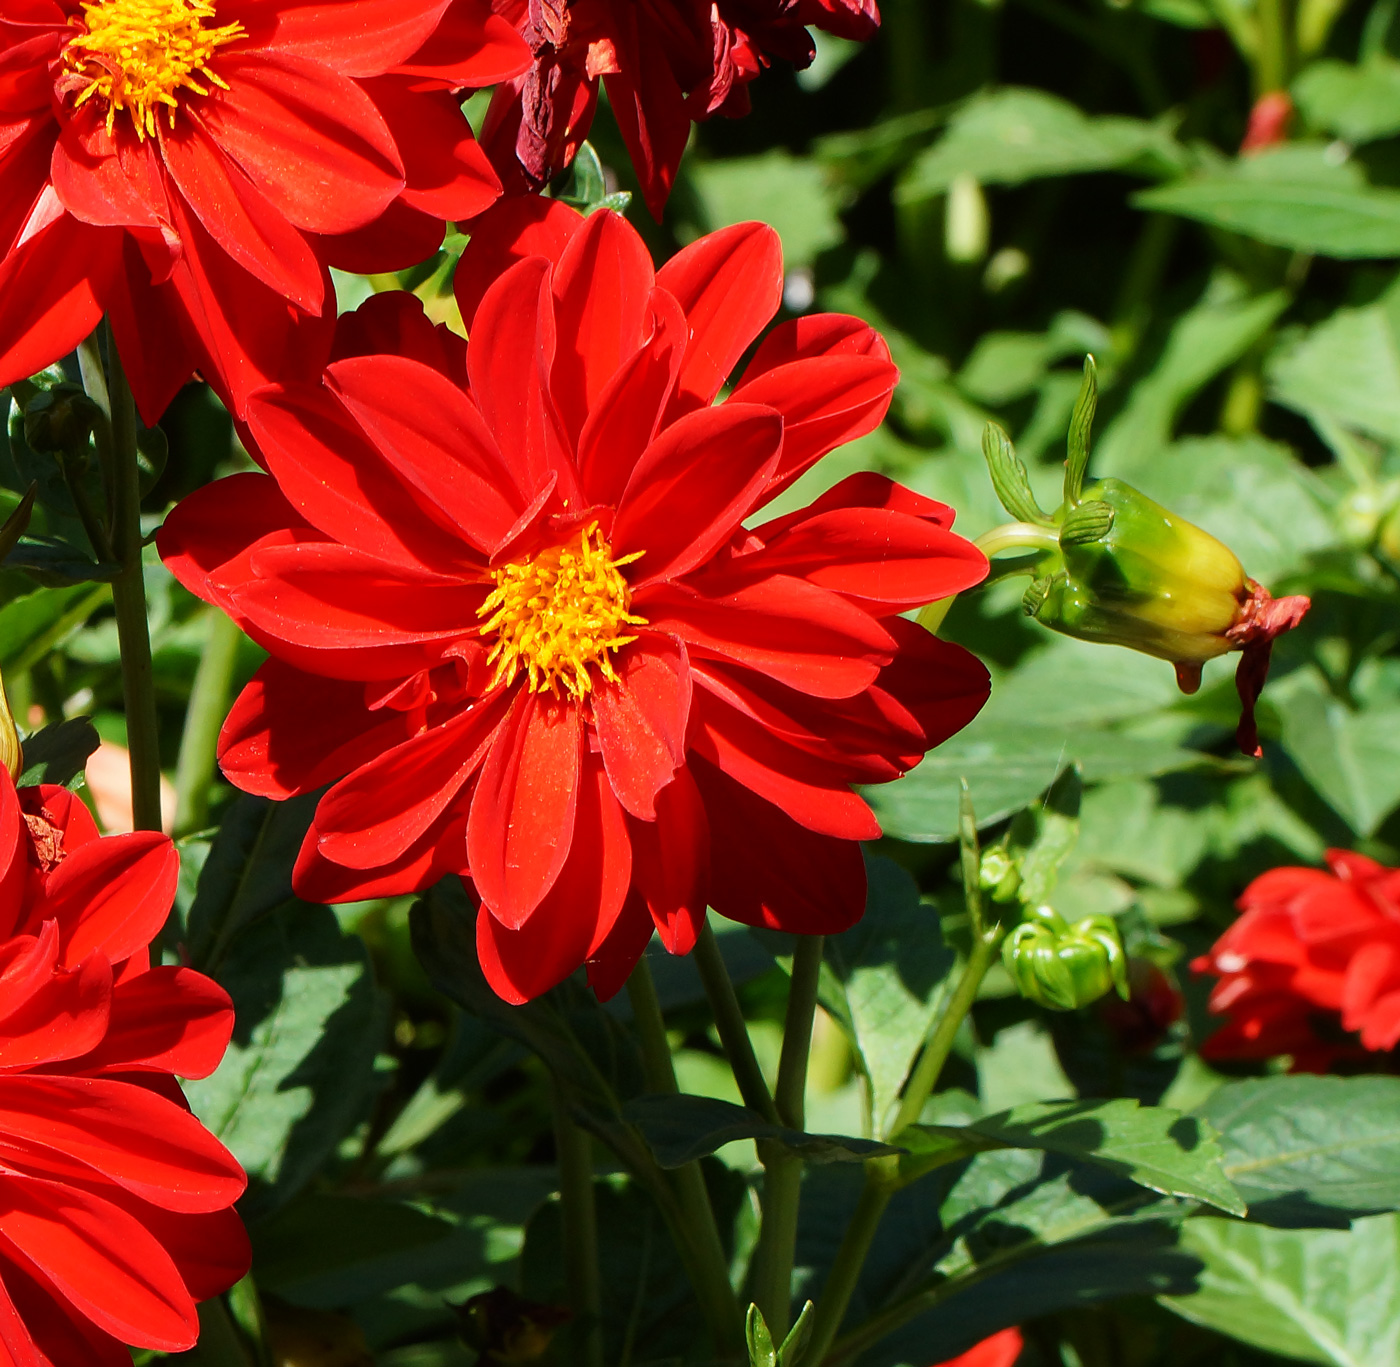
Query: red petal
[
  {"x": 399, "y": 238},
  {"x": 63, "y": 1019},
  {"x": 577, "y": 914},
  {"x": 522, "y": 818},
  {"x": 649, "y": 105},
  {"x": 613, "y": 961},
  {"x": 626, "y": 414},
  {"x": 341, "y": 484},
  {"x": 395, "y": 323},
  {"x": 311, "y": 141},
  {"x": 373, "y": 816},
  {"x": 815, "y": 334},
  {"x": 100, "y": 1260},
  {"x": 813, "y": 792},
  {"x": 355, "y": 37},
  {"x": 730, "y": 284},
  {"x": 641, "y": 721},
  {"x": 766, "y": 870},
  {"x": 516, "y": 227},
  {"x": 793, "y": 631},
  {"x": 111, "y": 190},
  {"x": 111, "y": 896},
  {"x": 210, "y": 1250},
  {"x": 238, "y": 218},
  {"x": 52, "y": 286},
  {"x": 825, "y": 402},
  {"x": 436, "y": 438},
  {"x": 440, "y": 850},
  {"x": 671, "y": 863},
  {"x": 133, "y": 1137},
  {"x": 602, "y": 290},
  {"x": 509, "y": 363},
  {"x": 173, "y": 1020},
  {"x": 289, "y": 732},
  {"x": 14, "y": 857},
  {"x": 471, "y": 47},
  {"x": 693, "y": 486},
  {"x": 942, "y": 685},
  {"x": 327, "y": 596}
]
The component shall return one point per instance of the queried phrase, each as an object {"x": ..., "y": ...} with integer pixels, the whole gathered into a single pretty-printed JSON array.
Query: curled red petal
[{"x": 1262, "y": 620}]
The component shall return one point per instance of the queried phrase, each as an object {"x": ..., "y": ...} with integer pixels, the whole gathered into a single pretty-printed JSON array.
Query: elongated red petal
[
  {"x": 730, "y": 284},
  {"x": 693, "y": 486},
  {"x": 65, "y": 1018},
  {"x": 470, "y": 47},
  {"x": 671, "y": 862},
  {"x": 355, "y": 37},
  {"x": 641, "y": 721},
  {"x": 312, "y": 141},
  {"x": 521, "y": 826}
]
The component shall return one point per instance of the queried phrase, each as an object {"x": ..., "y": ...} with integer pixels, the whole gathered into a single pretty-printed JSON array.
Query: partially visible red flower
[
  {"x": 665, "y": 63},
  {"x": 191, "y": 168},
  {"x": 1154, "y": 1005},
  {"x": 1315, "y": 954},
  {"x": 117, "y": 1209},
  {"x": 524, "y": 618},
  {"x": 1001, "y": 1350}
]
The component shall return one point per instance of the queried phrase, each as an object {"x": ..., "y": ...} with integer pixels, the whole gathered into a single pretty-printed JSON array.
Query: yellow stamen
[
  {"x": 559, "y": 612},
  {"x": 137, "y": 54}
]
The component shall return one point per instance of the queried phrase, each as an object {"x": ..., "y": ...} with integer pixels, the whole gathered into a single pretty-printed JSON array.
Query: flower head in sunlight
[
  {"x": 192, "y": 167},
  {"x": 527, "y": 616},
  {"x": 118, "y": 1204},
  {"x": 1312, "y": 967}
]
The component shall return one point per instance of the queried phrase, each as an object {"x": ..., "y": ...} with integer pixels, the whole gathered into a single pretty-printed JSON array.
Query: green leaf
[
  {"x": 762, "y": 1353},
  {"x": 1351, "y": 757},
  {"x": 884, "y": 979},
  {"x": 1358, "y": 103},
  {"x": 1050, "y": 830},
  {"x": 1326, "y": 1141},
  {"x": 680, "y": 1128},
  {"x": 58, "y": 753},
  {"x": 299, "y": 1073},
  {"x": 1009, "y": 477},
  {"x": 791, "y": 193},
  {"x": 1154, "y": 1146},
  {"x": 1291, "y": 198},
  {"x": 1081, "y": 424},
  {"x": 1321, "y": 1295},
  {"x": 1014, "y": 135},
  {"x": 246, "y": 873},
  {"x": 38, "y": 622}
]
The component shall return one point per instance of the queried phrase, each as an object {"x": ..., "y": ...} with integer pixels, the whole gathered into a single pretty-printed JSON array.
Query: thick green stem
[
  {"x": 782, "y": 1170},
  {"x": 882, "y": 1174},
  {"x": 733, "y": 1032},
  {"x": 701, "y": 1247},
  {"x": 580, "y": 1214},
  {"x": 1019, "y": 536},
  {"x": 213, "y": 682},
  {"x": 1274, "y": 61},
  {"x": 129, "y": 599}
]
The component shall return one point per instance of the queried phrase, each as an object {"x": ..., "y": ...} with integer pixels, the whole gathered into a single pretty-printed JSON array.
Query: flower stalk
[
  {"x": 209, "y": 698},
  {"x": 580, "y": 1213}
]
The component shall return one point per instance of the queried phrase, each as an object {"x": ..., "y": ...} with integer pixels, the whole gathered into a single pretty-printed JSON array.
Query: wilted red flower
[
  {"x": 190, "y": 168},
  {"x": 665, "y": 63},
  {"x": 514, "y": 609},
  {"x": 1001, "y": 1350},
  {"x": 1315, "y": 954},
  {"x": 117, "y": 1214}
]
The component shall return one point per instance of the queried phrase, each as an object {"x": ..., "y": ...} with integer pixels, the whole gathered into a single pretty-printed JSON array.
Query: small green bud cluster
[{"x": 1064, "y": 966}]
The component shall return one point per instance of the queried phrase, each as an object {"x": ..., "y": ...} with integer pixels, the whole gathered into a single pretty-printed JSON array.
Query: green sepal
[
  {"x": 791, "y": 1351},
  {"x": 1080, "y": 424},
  {"x": 762, "y": 1353},
  {"x": 1009, "y": 478},
  {"x": 1087, "y": 523}
]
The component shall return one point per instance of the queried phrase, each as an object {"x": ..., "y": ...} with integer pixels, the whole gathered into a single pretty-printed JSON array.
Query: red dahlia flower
[
  {"x": 517, "y": 616},
  {"x": 665, "y": 63},
  {"x": 190, "y": 168},
  {"x": 117, "y": 1208},
  {"x": 1314, "y": 954}
]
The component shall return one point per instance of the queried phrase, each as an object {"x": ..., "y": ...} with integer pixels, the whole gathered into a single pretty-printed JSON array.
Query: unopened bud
[
  {"x": 1065, "y": 966},
  {"x": 60, "y": 419},
  {"x": 11, "y": 751},
  {"x": 999, "y": 874}
]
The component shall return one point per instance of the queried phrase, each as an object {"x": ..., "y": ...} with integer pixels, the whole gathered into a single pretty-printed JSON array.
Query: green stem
[
  {"x": 213, "y": 682},
  {"x": 782, "y": 1170},
  {"x": 129, "y": 598},
  {"x": 580, "y": 1214},
  {"x": 729, "y": 1021},
  {"x": 702, "y": 1249},
  {"x": 882, "y": 1174},
  {"x": 1018, "y": 536},
  {"x": 1274, "y": 59},
  {"x": 925, "y": 1075}
]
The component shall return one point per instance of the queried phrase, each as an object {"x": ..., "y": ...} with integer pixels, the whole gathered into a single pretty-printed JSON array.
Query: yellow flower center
[
  {"x": 136, "y": 54},
  {"x": 559, "y": 612}
]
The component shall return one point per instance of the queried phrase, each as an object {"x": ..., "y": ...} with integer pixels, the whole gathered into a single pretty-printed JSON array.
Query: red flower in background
[
  {"x": 516, "y": 615},
  {"x": 1315, "y": 954},
  {"x": 117, "y": 1211},
  {"x": 1001, "y": 1350},
  {"x": 191, "y": 168},
  {"x": 665, "y": 63}
]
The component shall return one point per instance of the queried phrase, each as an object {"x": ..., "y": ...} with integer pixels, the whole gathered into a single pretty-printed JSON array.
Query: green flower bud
[
  {"x": 999, "y": 874},
  {"x": 11, "y": 752},
  {"x": 1065, "y": 966},
  {"x": 60, "y": 419}
]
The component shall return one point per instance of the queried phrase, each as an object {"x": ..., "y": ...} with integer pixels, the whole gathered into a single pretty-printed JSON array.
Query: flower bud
[
  {"x": 11, "y": 751},
  {"x": 999, "y": 874},
  {"x": 60, "y": 419},
  {"x": 1064, "y": 967}
]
